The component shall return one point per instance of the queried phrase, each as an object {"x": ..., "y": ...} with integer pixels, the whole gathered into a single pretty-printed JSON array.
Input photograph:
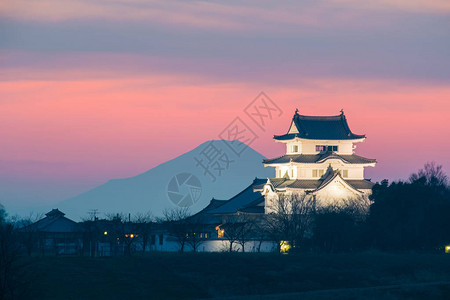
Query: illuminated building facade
[{"x": 320, "y": 161}]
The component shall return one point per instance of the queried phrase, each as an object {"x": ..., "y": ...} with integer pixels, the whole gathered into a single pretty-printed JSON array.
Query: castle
[{"x": 319, "y": 161}]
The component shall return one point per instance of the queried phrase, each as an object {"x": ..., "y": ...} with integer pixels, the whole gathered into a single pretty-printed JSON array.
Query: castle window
[
  {"x": 318, "y": 173},
  {"x": 332, "y": 148},
  {"x": 295, "y": 148},
  {"x": 322, "y": 148}
]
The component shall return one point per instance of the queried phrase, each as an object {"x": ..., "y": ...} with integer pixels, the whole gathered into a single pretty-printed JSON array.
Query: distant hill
[{"x": 149, "y": 191}]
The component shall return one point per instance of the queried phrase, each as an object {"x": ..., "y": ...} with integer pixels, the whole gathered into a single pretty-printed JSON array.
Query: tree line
[{"x": 412, "y": 214}]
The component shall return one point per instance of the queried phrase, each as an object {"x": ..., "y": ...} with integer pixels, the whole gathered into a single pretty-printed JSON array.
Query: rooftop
[
  {"x": 314, "y": 184},
  {"x": 245, "y": 199},
  {"x": 318, "y": 158},
  {"x": 320, "y": 128}
]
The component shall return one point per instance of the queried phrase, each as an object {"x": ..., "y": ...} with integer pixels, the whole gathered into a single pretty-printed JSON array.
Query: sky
[{"x": 92, "y": 90}]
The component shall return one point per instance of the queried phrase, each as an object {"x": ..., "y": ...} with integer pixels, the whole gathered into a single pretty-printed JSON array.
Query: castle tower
[{"x": 319, "y": 160}]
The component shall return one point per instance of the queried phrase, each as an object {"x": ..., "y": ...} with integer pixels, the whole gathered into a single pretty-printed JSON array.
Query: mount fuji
[{"x": 212, "y": 170}]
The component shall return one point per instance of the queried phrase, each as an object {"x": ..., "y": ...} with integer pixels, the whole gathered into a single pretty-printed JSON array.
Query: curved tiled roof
[
  {"x": 250, "y": 199},
  {"x": 321, "y": 128},
  {"x": 316, "y": 184},
  {"x": 242, "y": 200},
  {"x": 315, "y": 158}
]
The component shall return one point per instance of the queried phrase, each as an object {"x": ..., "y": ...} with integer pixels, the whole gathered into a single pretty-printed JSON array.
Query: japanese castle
[{"x": 319, "y": 161}]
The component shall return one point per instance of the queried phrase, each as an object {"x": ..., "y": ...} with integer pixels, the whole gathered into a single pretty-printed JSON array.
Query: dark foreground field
[{"x": 220, "y": 275}]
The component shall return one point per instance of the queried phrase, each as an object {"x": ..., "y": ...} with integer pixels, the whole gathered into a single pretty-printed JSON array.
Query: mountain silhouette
[{"x": 213, "y": 169}]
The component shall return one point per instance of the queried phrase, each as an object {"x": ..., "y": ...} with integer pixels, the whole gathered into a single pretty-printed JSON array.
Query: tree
[
  {"x": 144, "y": 224},
  {"x": 195, "y": 228},
  {"x": 176, "y": 222},
  {"x": 231, "y": 230},
  {"x": 431, "y": 175},
  {"x": 413, "y": 214},
  {"x": 14, "y": 280},
  {"x": 28, "y": 234},
  {"x": 238, "y": 229},
  {"x": 338, "y": 227},
  {"x": 124, "y": 231},
  {"x": 290, "y": 218}
]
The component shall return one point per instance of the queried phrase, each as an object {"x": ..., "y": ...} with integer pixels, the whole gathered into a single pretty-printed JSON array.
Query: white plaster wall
[
  {"x": 290, "y": 146},
  {"x": 270, "y": 198},
  {"x": 309, "y": 146},
  {"x": 220, "y": 245},
  {"x": 333, "y": 193},
  {"x": 305, "y": 171},
  {"x": 355, "y": 172}
]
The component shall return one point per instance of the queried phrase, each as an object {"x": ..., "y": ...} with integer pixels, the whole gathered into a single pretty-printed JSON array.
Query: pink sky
[{"x": 83, "y": 104}]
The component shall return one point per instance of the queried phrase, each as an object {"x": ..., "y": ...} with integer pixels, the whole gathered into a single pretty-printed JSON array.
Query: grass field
[{"x": 221, "y": 275}]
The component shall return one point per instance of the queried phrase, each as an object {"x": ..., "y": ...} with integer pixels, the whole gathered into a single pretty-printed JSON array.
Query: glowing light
[
  {"x": 447, "y": 249},
  {"x": 105, "y": 233},
  {"x": 131, "y": 235},
  {"x": 284, "y": 246},
  {"x": 220, "y": 232}
]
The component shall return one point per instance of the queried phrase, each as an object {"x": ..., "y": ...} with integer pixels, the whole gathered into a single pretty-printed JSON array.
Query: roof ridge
[
  {"x": 319, "y": 117},
  {"x": 328, "y": 179},
  {"x": 333, "y": 127},
  {"x": 274, "y": 158}
]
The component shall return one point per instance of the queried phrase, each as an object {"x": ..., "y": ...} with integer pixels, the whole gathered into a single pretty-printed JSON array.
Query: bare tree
[
  {"x": 125, "y": 232},
  {"x": 238, "y": 229},
  {"x": 431, "y": 174},
  {"x": 143, "y": 223},
  {"x": 231, "y": 230},
  {"x": 290, "y": 218},
  {"x": 27, "y": 232},
  {"x": 176, "y": 222},
  {"x": 357, "y": 207},
  {"x": 195, "y": 227}
]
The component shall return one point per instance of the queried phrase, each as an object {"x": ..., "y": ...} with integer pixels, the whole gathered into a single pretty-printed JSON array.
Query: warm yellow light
[
  {"x": 447, "y": 249},
  {"x": 131, "y": 235},
  {"x": 220, "y": 231},
  {"x": 284, "y": 246},
  {"x": 105, "y": 233}
]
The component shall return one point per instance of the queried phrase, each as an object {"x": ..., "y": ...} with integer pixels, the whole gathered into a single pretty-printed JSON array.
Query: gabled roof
[
  {"x": 55, "y": 222},
  {"x": 320, "y": 128},
  {"x": 314, "y": 184},
  {"x": 330, "y": 176},
  {"x": 318, "y": 158},
  {"x": 242, "y": 200},
  {"x": 214, "y": 203},
  {"x": 250, "y": 200}
]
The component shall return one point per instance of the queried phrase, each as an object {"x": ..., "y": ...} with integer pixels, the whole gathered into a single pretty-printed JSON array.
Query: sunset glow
[{"x": 92, "y": 91}]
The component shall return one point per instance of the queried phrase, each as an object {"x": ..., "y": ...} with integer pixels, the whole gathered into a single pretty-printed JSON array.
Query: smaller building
[{"x": 53, "y": 235}]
